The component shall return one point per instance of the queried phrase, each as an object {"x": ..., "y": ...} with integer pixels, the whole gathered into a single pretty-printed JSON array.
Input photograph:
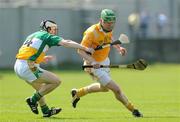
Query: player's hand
[
  {"x": 96, "y": 66},
  {"x": 121, "y": 50},
  {"x": 90, "y": 50},
  {"x": 48, "y": 58},
  {"x": 31, "y": 65}
]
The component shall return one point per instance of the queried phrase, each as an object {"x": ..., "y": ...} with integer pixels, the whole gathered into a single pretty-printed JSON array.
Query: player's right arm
[
  {"x": 86, "y": 56},
  {"x": 73, "y": 44},
  {"x": 87, "y": 42}
]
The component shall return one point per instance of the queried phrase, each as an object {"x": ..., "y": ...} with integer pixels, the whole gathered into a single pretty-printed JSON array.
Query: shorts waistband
[{"x": 22, "y": 60}]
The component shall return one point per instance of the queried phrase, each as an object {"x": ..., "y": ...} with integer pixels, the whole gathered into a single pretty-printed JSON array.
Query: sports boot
[
  {"x": 52, "y": 111},
  {"x": 75, "y": 98},
  {"x": 33, "y": 106},
  {"x": 136, "y": 113}
]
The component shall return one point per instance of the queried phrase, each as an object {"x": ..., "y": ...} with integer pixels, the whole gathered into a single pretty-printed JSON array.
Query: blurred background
[{"x": 153, "y": 27}]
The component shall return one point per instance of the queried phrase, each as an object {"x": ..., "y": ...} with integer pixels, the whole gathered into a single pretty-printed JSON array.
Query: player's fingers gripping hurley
[
  {"x": 123, "y": 39},
  {"x": 90, "y": 51},
  {"x": 121, "y": 50}
]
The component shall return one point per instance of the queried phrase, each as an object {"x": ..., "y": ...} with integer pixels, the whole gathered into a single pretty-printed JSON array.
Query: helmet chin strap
[{"x": 106, "y": 31}]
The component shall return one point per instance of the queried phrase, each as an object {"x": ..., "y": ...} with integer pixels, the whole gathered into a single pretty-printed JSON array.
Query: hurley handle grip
[
  {"x": 106, "y": 45},
  {"x": 88, "y": 53},
  {"x": 90, "y": 66}
]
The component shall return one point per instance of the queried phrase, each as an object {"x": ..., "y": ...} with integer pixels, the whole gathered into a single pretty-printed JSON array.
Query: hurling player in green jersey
[{"x": 31, "y": 54}]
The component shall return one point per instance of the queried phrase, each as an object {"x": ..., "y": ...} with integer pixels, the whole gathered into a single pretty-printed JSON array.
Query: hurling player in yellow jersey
[
  {"x": 31, "y": 54},
  {"x": 97, "y": 35}
]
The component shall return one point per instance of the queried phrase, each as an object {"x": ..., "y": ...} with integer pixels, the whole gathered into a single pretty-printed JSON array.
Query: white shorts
[
  {"x": 22, "y": 70},
  {"x": 102, "y": 75}
]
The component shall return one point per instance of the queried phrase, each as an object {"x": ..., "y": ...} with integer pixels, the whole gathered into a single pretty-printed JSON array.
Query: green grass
[{"x": 155, "y": 91}]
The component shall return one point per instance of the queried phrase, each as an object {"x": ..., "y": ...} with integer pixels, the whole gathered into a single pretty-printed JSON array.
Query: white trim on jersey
[{"x": 36, "y": 43}]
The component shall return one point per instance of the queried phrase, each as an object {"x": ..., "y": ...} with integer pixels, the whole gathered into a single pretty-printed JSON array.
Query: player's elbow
[
  {"x": 80, "y": 52},
  {"x": 65, "y": 43},
  {"x": 62, "y": 43}
]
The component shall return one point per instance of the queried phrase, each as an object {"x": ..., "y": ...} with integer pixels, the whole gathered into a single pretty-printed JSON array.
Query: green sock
[
  {"x": 44, "y": 109},
  {"x": 36, "y": 97}
]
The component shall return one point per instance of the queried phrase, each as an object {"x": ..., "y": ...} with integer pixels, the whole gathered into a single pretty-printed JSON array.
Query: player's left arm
[
  {"x": 59, "y": 41},
  {"x": 120, "y": 49},
  {"x": 73, "y": 44}
]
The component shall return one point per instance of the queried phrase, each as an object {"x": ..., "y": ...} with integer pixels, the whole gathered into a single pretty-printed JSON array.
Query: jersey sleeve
[
  {"x": 53, "y": 40},
  {"x": 87, "y": 39}
]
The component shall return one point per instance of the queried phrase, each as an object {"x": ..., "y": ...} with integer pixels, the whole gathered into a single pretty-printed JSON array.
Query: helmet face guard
[
  {"x": 45, "y": 24},
  {"x": 108, "y": 15}
]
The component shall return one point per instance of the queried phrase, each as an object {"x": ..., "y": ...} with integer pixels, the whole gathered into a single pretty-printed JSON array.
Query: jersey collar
[{"x": 101, "y": 30}]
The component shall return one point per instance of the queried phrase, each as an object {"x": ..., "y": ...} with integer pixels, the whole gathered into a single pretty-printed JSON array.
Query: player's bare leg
[
  {"x": 122, "y": 98},
  {"x": 77, "y": 93},
  {"x": 49, "y": 80},
  {"x": 44, "y": 85}
]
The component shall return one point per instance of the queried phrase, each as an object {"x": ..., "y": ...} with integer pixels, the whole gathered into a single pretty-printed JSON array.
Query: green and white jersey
[{"x": 36, "y": 46}]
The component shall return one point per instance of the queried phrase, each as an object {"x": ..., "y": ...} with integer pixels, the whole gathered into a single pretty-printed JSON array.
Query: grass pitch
[{"x": 155, "y": 91}]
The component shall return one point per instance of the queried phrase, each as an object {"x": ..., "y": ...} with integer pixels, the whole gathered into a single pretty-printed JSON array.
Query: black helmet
[{"x": 45, "y": 24}]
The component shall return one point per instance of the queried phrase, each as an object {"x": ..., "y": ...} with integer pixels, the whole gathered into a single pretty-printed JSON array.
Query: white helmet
[{"x": 45, "y": 24}]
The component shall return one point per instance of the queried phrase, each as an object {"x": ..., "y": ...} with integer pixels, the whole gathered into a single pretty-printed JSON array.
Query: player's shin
[
  {"x": 130, "y": 106},
  {"x": 82, "y": 91},
  {"x": 125, "y": 102},
  {"x": 96, "y": 87}
]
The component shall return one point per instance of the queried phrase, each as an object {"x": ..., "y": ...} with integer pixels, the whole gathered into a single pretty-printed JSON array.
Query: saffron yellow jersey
[
  {"x": 93, "y": 37},
  {"x": 36, "y": 45}
]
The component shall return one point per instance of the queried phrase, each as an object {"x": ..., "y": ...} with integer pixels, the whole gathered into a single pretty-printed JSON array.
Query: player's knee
[
  {"x": 115, "y": 89},
  {"x": 58, "y": 82},
  {"x": 105, "y": 89}
]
